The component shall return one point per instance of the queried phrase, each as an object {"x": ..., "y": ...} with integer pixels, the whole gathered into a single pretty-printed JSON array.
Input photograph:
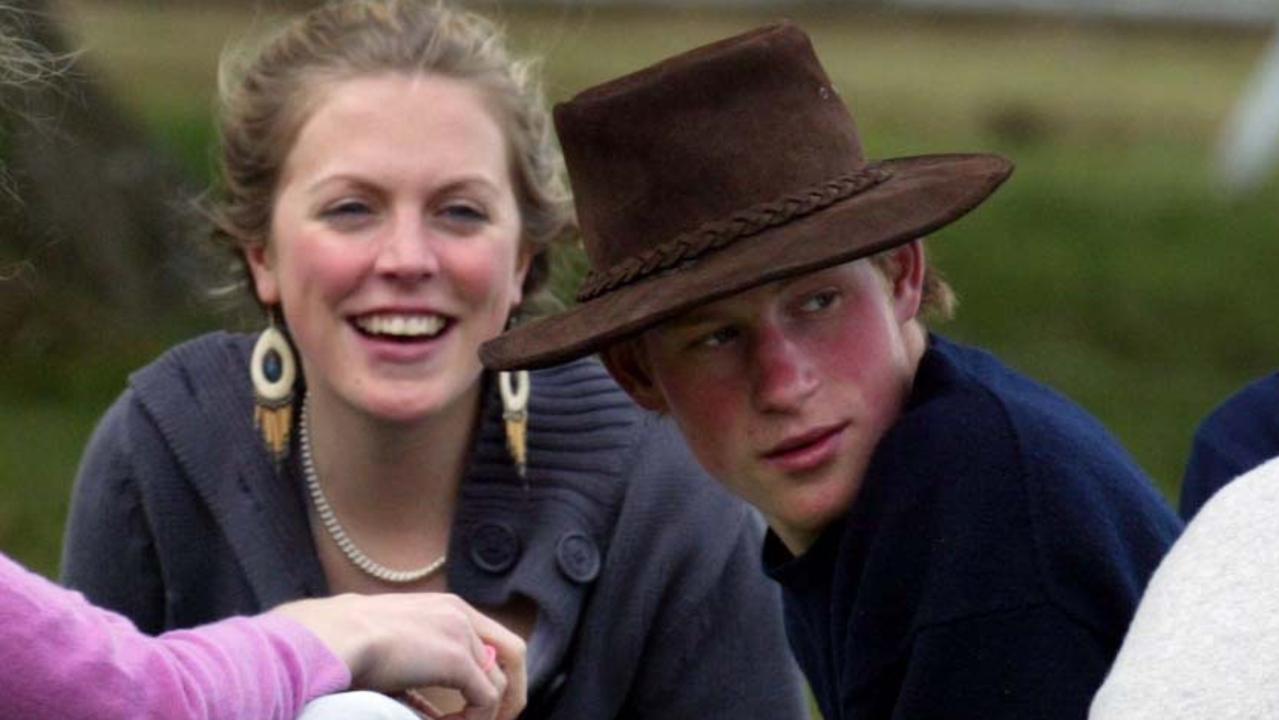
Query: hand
[{"x": 398, "y": 641}]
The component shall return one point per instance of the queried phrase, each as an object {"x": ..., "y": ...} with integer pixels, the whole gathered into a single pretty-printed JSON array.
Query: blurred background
[{"x": 1121, "y": 264}]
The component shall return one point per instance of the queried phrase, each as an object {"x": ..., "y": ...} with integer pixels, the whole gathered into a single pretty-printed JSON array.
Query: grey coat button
[
  {"x": 578, "y": 557},
  {"x": 495, "y": 547}
]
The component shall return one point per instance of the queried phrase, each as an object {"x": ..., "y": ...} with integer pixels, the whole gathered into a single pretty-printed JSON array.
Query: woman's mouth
[{"x": 401, "y": 327}]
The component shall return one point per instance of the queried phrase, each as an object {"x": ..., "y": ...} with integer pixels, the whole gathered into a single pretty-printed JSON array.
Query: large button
[
  {"x": 495, "y": 547},
  {"x": 578, "y": 557}
]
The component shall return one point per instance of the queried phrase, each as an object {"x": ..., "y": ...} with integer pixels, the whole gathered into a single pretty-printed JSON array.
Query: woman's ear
[
  {"x": 523, "y": 265},
  {"x": 262, "y": 268},
  {"x": 908, "y": 269},
  {"x": 627, "y": 362}
]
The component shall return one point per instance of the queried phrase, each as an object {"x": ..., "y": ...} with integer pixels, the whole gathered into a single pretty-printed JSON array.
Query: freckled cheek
[
  {"x": 482, "y": 279},
  {"x": 857, "y": 352},
  {"x": 317, "y": 267},
  {"x": 709, "y": 414}
]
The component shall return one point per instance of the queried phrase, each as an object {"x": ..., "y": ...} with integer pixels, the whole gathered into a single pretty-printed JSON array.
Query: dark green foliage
[{"x": 1108, "y": 266}]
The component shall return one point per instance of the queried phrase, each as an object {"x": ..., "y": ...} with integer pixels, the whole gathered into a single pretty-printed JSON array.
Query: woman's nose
[{"x": 408, "y": 251}]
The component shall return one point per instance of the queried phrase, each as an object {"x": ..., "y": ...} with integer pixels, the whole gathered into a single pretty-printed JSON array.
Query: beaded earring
[
  {"x": 515, "y": 388},
  {"x": 273, "y": 370}
]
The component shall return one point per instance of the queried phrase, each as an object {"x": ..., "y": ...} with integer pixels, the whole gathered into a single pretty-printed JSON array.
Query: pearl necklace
[{"x": 357, "y": 557}]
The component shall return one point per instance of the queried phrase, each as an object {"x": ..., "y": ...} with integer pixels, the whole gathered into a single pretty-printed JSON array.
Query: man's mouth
[
  {"x": 803, "y": 441},
  {"x": 401, "y": 327}
]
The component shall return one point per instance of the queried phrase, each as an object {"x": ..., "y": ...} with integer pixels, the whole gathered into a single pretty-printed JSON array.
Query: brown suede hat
[{"x": 718, "y": 170}]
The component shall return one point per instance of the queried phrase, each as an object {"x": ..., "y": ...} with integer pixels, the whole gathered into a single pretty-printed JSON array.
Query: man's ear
[
  {"x": 907, "y": 270},
  {"x": 262, "y": 268},
  {"x": 627, "y": 362}
]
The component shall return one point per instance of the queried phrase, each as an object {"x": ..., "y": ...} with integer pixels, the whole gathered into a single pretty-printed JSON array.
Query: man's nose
[{"x": 784, "y": 375}]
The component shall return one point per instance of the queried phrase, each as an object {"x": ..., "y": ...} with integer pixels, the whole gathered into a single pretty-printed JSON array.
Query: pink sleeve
[{"x": 61, "y": 657}]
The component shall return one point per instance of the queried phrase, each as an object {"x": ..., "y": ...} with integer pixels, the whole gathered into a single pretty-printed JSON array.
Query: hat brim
[{"x": 921, "y": 195}]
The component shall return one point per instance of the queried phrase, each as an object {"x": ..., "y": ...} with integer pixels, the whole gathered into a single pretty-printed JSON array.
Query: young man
[{"x": 953, "y": 540}]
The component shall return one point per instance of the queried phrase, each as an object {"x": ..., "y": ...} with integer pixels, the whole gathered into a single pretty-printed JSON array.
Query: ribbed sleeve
[{"x": 67, "y": 659}]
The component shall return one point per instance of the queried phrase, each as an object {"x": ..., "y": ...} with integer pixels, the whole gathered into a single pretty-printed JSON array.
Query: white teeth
[{"x": 401, "y": 325}]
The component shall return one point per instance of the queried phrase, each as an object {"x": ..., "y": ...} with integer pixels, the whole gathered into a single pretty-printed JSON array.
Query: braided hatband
[{"x": 720, "y": 233}]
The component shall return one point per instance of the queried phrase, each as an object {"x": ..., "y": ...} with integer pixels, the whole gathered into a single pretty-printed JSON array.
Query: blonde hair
[
  {"x": 938, "y": 301},
  {"x": 265, "y": 103},
  {"x": 24, "y": 65},
  {"x": 23, "y": 62}
]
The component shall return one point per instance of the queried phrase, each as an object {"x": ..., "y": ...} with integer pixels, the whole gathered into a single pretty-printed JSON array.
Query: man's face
[{"x": 783, "y": 391}]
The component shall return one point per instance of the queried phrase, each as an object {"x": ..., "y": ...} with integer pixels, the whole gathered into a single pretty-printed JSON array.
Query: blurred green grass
[{"x": 1109, "y": 266}]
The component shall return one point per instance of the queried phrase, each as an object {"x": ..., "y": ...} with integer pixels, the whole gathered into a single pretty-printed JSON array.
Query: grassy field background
[{"x": 1110, "y": 266}]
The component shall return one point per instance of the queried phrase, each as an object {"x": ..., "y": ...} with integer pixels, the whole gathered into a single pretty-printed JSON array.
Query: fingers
[
  {"x": 508, "y": 649},
  {"x": 399, "y": 641},
  {"x": 484, "y": 689},
  {"x": 497, "y": 710},
  {"x": 421, "y": 705},
  {"x": 490, "y": 658},
  {"x": 515, "y": 683}
]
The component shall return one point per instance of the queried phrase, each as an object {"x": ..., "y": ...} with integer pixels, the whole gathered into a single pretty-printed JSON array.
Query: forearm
[{"x": 78, "y": 661}]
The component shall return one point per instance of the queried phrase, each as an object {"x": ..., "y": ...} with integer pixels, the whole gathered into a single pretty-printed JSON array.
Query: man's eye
[
  {"x": 819, "y": 301},
  {"x": 717, "y": 338}
]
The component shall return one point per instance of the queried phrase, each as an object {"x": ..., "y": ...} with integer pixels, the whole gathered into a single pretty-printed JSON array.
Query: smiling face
[
  {"x": 394, "y": 248},
  {"x": 783, "y": 391}
]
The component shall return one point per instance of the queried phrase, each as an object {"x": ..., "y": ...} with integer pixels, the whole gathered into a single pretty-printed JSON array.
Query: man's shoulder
[
  {"x": 987, "y": 406},
  {"x": 959, "y": 419},
  {"x": 990, "y": 438}
]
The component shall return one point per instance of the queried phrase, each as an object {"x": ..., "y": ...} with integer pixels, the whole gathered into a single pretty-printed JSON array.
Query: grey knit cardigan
[{"x": 650, "y": 599}]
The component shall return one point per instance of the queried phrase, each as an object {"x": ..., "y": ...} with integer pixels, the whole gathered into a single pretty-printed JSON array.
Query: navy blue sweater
[
  {"x": 1235, "y": 438},
  {"x": 989, "y": 567}
]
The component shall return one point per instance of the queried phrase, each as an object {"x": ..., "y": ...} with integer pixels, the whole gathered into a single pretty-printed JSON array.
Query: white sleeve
[{"x": 1204, "y": 643}]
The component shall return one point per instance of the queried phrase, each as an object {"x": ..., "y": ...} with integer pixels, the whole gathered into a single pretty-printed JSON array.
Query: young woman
[
  {"x": 69, "y": 659},
  {"x": 391, "y": 184}
]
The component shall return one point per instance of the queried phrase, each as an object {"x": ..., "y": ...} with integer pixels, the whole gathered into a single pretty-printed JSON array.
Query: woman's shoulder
[
  {"x": 580, "y": 387},
  {"x": 197, "y": 364},
  {"x": 195, "y": 400},
  {"x": 582, "y": 428},
  {"x": 586, "y": 398},
  {"x": 578, "y": 411},
  {"x": 174, "y": 380}
]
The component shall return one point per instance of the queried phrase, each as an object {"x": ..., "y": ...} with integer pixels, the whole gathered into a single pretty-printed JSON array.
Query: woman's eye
[
  {"x": 819, "y": 301},
  {"x": 464, "y": 212},
  {"x": 347, "y": 210}
]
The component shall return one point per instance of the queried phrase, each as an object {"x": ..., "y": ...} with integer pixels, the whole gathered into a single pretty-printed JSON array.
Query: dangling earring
[
  {"x": 515, "y": 413},
  {"x": 273, "y": 370}
]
